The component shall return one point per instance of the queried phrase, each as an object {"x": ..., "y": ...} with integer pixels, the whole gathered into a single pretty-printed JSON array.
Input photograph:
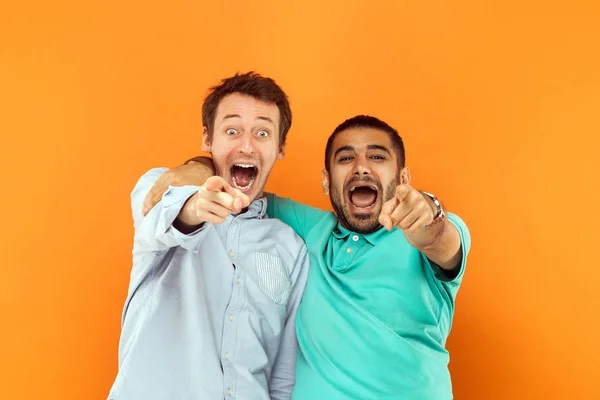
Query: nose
[
  {"x": 361, "y": 167},
  {"x": 246, "y": 145}
]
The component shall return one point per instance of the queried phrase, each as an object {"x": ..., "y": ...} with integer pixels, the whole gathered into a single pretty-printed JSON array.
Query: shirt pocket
[{"x": 272, "y": 277}]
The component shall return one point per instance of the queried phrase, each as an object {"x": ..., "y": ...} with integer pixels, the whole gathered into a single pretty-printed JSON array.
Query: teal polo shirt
[{"x": 375, "y": 314}]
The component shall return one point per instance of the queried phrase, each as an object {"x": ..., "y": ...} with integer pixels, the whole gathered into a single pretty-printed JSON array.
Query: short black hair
[{"x": 367, "y": 121}]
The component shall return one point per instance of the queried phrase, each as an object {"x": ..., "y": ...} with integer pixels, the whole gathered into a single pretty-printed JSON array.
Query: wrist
[
  {"x": 439, "y": 215},
  {"x": 187, "y": 221}
]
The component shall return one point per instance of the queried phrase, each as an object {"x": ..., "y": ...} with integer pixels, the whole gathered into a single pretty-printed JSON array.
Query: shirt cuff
[
  {"x": 173, "y": 201},
  {"x": 465, "y": 246}
]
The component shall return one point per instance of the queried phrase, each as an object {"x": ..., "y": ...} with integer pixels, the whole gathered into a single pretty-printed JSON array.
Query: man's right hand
[{"x": 213, "y": 202}]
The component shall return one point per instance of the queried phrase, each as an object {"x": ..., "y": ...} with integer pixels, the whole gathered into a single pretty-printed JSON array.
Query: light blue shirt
[{"x": 211, "y": 314}]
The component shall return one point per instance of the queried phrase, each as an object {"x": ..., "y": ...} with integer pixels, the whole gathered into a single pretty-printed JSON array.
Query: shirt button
[
  {"x": 238, "y": 280},
  {"x": 355, "y": 238},
  {"x": 229, "y": 392},
  {"x": 227, "y": 356},
  {"x": 231, "y": 253},
  {"x": 348, "y": 250},
  {"x": 231, "y": 317}
]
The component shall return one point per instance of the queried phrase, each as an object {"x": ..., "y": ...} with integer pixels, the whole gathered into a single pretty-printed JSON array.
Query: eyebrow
[
  {"x": 229, "y": 116},
  {"x": 369, "y": 147},
  {"x": 341, "y": 149},
  {"x": 378, "y": 147}
]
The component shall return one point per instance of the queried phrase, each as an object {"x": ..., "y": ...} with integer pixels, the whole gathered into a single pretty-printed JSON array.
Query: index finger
[
  {"x": 218, "y": 184},
  {"x": 402, "y": 192}
]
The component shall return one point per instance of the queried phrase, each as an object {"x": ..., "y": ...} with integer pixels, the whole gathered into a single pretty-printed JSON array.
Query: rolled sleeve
[
  {"x": 155, "y": 231},
  {"x": 172, "y": 202},
  {"x": 465, "y": 246}
]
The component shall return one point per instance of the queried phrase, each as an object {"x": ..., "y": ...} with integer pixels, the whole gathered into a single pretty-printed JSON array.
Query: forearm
[
  {"x": 206, "y": 161},
  {"x": 187, "y": 220},
  {"x": 445, "y": 247},
  {"x": 156, "y": 231}
]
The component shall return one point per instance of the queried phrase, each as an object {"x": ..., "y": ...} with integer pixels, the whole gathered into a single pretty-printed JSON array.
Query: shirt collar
[{"x": 256, "y": 209}]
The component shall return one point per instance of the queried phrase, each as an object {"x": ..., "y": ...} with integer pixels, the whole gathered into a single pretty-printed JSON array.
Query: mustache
[{"x": 366, "y": 181}]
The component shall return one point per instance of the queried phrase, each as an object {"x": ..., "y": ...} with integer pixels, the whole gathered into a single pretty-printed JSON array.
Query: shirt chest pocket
[{"x": 272, "y": 277}]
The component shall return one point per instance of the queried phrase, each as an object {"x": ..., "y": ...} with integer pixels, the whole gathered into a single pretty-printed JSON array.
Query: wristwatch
[{"x": 440, "y": 214}]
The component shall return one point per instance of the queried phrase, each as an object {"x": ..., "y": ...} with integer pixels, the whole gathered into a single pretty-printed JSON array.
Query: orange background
[{"x": 498, "y": 103}]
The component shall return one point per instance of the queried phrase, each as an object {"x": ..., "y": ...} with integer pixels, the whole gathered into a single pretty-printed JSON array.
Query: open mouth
[
  {"x": 243, "y": 175},
  {"x": 363, "y": 196}
]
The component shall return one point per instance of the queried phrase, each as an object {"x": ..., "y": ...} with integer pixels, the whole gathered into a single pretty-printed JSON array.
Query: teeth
[
  {"x": 353, "y": 188},
  {"x": 235, "y": 184},
  {"x": 243, "y": 165}
]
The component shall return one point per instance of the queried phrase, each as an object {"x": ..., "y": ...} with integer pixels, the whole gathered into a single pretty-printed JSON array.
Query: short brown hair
[{"x": 254, "y": 85}]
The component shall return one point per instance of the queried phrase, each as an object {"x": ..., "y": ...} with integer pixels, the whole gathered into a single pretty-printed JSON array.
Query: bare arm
[{"x": 445, "y": 249}]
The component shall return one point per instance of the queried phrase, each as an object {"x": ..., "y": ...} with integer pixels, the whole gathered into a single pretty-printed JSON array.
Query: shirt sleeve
[
  {"x": 300, "y": 217},
  {"x": 283, "y": 377},
  {"x": 465, "y": 245},
  {"x": 155, "y": 232}
]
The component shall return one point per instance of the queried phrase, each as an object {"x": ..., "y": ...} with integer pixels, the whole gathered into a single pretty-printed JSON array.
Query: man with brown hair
[{"x": 215, "y": 283}]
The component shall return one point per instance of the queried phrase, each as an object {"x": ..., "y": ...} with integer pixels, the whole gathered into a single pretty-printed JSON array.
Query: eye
[
  {"x": 378, "y": 157},
  {"x": 231, "y": 131},
  {"x": 345, "y": 159},
  {"x": 263, "y": 133}
]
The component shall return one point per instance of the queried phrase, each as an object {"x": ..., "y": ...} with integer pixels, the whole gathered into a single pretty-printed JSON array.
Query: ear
[
  {"x": 281, "y": 152},
  {"x": 325, "y": 181},
  {"x": 206, "y": 141},
  {"x": 405, "y": 176}
]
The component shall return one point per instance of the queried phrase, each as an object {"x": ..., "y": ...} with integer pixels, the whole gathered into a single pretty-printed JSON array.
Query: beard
[{"x": 362, "y": 223}]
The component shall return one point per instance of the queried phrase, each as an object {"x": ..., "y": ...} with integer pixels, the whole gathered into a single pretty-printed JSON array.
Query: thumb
[
  {"x": 386, "y": 221},
  {"x": 389, "y": 206},
  {"x": 385, "y": 218},
  {"x": 402, "y": 192},
  {"x": 240, "y": 201},
  {"x": 245, "y": 200}
]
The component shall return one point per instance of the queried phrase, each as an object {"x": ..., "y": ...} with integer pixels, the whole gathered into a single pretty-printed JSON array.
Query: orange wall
[{"x": 498, "y": 103}]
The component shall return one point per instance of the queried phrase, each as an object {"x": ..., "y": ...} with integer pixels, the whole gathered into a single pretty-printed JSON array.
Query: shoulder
[{"x": 283, "y": 234}]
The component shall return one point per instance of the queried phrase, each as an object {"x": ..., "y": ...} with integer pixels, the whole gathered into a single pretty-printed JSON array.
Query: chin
[{"x": 364, "y": 225}]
